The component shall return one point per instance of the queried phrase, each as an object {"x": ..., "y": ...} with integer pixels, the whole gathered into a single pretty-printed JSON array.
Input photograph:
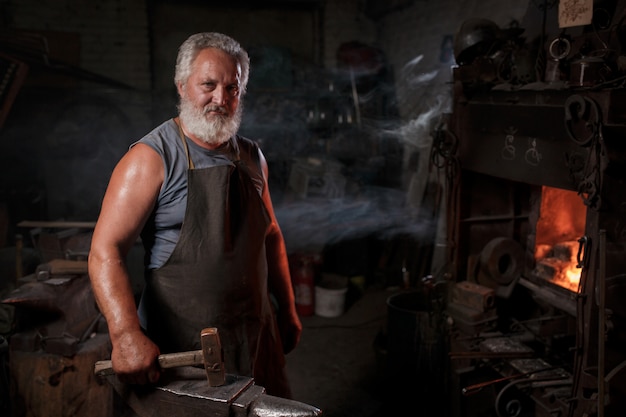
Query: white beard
[{"x": 212, "y": 129}]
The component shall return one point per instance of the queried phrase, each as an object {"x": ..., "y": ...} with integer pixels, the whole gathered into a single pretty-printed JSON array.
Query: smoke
[
  {"x": 434, "y": 99},
  {"x": 361, "y": 182},
  {"x": 412, "y": 63},
  {"x": 417, "y": 132},
  {"x": 311, "y": 224},
  {"x": 365, "y": 209},
  {"x": 412, "y": 67}
]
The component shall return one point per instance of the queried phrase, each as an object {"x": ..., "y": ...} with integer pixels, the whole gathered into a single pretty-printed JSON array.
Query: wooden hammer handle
[{"x": 166, "y": 360}]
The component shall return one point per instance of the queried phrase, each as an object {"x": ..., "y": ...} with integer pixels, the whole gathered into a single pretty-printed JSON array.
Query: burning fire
[
  {"x": 561, "y": 222},
  {"x": 569, "y": 276},
  {"x": 558, "y": 264}
]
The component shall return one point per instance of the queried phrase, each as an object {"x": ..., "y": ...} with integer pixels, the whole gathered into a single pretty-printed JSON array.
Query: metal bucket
[{"x": 414, "y": 348}]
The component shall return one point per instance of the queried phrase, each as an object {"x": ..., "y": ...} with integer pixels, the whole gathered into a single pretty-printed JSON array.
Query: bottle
[{"x": 303, "y": 280}]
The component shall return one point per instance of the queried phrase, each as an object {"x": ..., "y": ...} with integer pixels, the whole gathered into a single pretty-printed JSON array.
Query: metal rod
[
  {"x": 472, "y": 389},
  {"x": 490, "y": 355},
  {"x": 601, "y": 291},
  {"x": 355, "y": 98}
]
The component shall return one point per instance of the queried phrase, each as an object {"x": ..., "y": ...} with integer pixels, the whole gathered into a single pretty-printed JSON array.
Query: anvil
[{"x": 184, "y": 392}]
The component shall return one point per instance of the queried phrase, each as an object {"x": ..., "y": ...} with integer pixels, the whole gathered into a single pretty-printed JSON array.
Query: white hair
[{"x": 189, "y": 50}]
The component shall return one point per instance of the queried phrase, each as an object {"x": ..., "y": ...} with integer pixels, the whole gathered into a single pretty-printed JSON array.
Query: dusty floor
[
  {"x": 340, "y": 364},
  {"x": 336, "y": 367}
]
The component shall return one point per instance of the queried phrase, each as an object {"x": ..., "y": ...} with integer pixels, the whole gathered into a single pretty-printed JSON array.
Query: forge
[{"x": 535, "y": 210}]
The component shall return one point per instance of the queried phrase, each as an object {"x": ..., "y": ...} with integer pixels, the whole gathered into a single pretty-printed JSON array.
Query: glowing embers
[
  {"x": 560, "y": 225},
  {"x": 558, "y": 264}
]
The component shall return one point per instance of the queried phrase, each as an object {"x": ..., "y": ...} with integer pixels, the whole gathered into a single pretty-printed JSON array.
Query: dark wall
[{"x": 70, "y": 124}]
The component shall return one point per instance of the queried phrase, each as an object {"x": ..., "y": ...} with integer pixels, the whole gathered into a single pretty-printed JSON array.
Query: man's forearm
[{"x": 114, "y": 295}]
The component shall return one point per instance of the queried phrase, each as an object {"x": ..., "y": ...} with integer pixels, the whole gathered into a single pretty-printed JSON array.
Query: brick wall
[
  {"x": 73, "y": 131},
  {"x": 113, "y": 34},
  {"x": 111, "y": 38},
  {"x": 114, "y": 39},
  {"x": 412, "y": 39},
  {"x": 417, "y": 41}
]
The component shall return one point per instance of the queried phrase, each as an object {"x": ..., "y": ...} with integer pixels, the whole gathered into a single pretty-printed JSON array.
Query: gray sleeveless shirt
[{"x": 162, "y": 229}]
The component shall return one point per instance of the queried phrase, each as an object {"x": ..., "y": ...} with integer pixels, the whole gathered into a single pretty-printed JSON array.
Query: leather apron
[{"x": 217, "y": 276}]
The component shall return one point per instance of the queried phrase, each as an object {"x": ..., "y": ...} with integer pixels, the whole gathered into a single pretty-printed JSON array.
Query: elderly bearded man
[{"x": 197, "y": 194}]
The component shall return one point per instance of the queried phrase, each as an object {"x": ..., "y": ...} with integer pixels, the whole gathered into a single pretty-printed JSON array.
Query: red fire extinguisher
[{"x": 303, "y": 281}]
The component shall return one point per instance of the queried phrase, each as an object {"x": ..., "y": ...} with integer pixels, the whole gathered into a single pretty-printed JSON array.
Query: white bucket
[{"x": 330, "y": 296}]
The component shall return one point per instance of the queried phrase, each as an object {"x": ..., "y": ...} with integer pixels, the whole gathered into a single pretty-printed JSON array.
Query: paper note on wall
[{"x": 575, "y": 13}]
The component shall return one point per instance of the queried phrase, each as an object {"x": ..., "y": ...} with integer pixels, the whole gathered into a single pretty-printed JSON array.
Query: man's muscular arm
[
  {"x": 278, "y": 274},
  {"x": 128, "y": 201}
]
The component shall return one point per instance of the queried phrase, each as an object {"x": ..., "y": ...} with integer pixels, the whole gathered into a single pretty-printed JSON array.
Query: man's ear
[{"x": 179, "y": 88}]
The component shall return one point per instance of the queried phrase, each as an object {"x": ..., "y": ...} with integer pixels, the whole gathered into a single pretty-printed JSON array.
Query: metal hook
[{"x": 583, "y": 242}]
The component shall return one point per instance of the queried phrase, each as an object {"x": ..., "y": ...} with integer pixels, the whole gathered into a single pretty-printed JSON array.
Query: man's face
[{"x": 209, "y": 100}]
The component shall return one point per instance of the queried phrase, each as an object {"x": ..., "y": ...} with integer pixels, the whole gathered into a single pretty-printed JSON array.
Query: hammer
[{"x": 210, "y": 356}]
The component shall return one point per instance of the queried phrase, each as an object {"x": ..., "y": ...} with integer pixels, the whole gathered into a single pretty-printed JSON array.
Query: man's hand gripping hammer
[{"x": 210, "y": 357}]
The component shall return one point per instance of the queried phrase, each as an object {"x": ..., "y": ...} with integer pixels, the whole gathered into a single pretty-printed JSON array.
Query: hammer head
[{"x": 213, "y": 356}]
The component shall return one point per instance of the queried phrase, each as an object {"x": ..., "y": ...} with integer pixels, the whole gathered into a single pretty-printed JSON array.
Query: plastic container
[{"x": 330, "y": 296}]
